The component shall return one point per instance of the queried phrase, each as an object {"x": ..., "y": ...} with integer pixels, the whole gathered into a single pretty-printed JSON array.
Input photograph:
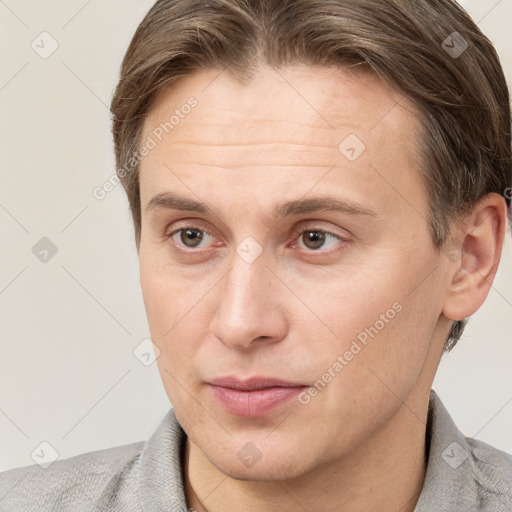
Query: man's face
[{"x": 346, "y": 302}]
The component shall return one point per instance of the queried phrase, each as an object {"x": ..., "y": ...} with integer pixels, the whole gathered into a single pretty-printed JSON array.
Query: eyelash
[{"x": 296, "y": 233}]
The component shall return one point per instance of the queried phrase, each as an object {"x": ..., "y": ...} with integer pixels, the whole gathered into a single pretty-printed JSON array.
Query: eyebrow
[{"x": 171, "y": 201}]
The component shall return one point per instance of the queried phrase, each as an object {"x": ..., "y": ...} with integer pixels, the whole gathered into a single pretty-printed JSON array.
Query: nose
[{"x": 250, "y": 310}]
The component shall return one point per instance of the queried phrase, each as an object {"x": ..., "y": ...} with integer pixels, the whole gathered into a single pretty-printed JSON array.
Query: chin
[
  {"x": 274, "y": 464},
  {"x": 262, "y": 472}
]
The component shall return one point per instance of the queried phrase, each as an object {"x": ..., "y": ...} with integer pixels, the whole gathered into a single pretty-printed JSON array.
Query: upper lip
[{"x": 253, "y": 383}]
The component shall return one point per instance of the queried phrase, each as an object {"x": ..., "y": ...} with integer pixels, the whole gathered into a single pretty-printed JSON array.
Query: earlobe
[{"x": 470, "y": 276}]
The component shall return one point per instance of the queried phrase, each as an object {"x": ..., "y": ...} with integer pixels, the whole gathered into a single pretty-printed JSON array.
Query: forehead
[
  {"x": 318, "y": 96},
  {"x": 289, "y": 126}
]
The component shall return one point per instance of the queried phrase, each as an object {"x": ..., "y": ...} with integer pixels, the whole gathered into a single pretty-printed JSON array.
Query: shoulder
[
  {"x": 83, "y": 482},
  {"x": 491, "y": 470}
]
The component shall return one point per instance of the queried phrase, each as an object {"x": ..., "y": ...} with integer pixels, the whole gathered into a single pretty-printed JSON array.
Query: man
[{"x": 320, "y": 195}]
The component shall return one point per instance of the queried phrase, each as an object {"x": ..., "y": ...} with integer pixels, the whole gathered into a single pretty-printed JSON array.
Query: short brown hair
[{"x": 431, "y": 50}]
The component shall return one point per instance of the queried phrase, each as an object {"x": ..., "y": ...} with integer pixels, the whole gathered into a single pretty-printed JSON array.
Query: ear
[{"x": 478, "y": 246}]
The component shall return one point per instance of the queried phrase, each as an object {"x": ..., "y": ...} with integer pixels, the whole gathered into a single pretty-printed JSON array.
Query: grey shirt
[{"x": 463, "y": 475}]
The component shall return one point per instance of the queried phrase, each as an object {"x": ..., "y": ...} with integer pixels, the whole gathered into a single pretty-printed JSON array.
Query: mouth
[
  {"x": 253, "y": 397},
  {"x": 254, "y": 383}
]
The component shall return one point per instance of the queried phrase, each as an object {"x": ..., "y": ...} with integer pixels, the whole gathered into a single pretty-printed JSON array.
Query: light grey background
[{"x": 68, "y": 327}]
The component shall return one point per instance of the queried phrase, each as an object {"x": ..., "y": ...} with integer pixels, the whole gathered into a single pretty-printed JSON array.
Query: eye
[
  {"x": 190, "y": 237},
  {"x": 315, "y": 239}
]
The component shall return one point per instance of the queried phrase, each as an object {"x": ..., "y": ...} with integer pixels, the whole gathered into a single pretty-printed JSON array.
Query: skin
[{"x": 360, "y": 442}]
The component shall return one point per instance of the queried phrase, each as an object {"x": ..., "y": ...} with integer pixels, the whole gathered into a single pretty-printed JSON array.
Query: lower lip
[{"x": 253, "y": 403}]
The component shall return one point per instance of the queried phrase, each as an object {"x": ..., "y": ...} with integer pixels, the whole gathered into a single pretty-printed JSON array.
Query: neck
[{"x": 386, "y": 472}]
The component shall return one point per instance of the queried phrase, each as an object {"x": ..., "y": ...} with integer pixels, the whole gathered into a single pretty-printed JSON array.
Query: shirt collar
[
  {"x": 160, "y": 479},
  {"x": 453, "y": 480}
]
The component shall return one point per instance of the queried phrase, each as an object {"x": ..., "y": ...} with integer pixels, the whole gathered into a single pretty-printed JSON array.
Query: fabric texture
[{"x": 463, "y": 475}]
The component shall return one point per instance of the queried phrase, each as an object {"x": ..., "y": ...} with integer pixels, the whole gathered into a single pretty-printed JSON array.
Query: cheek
[
  {"x": 172, "y": 310},
  {"x": 167, "y": 296},
  {"x": 373, "y": 365},
  {"x": 381, "y": 329},
  {"x": 168, "y": 310}
]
